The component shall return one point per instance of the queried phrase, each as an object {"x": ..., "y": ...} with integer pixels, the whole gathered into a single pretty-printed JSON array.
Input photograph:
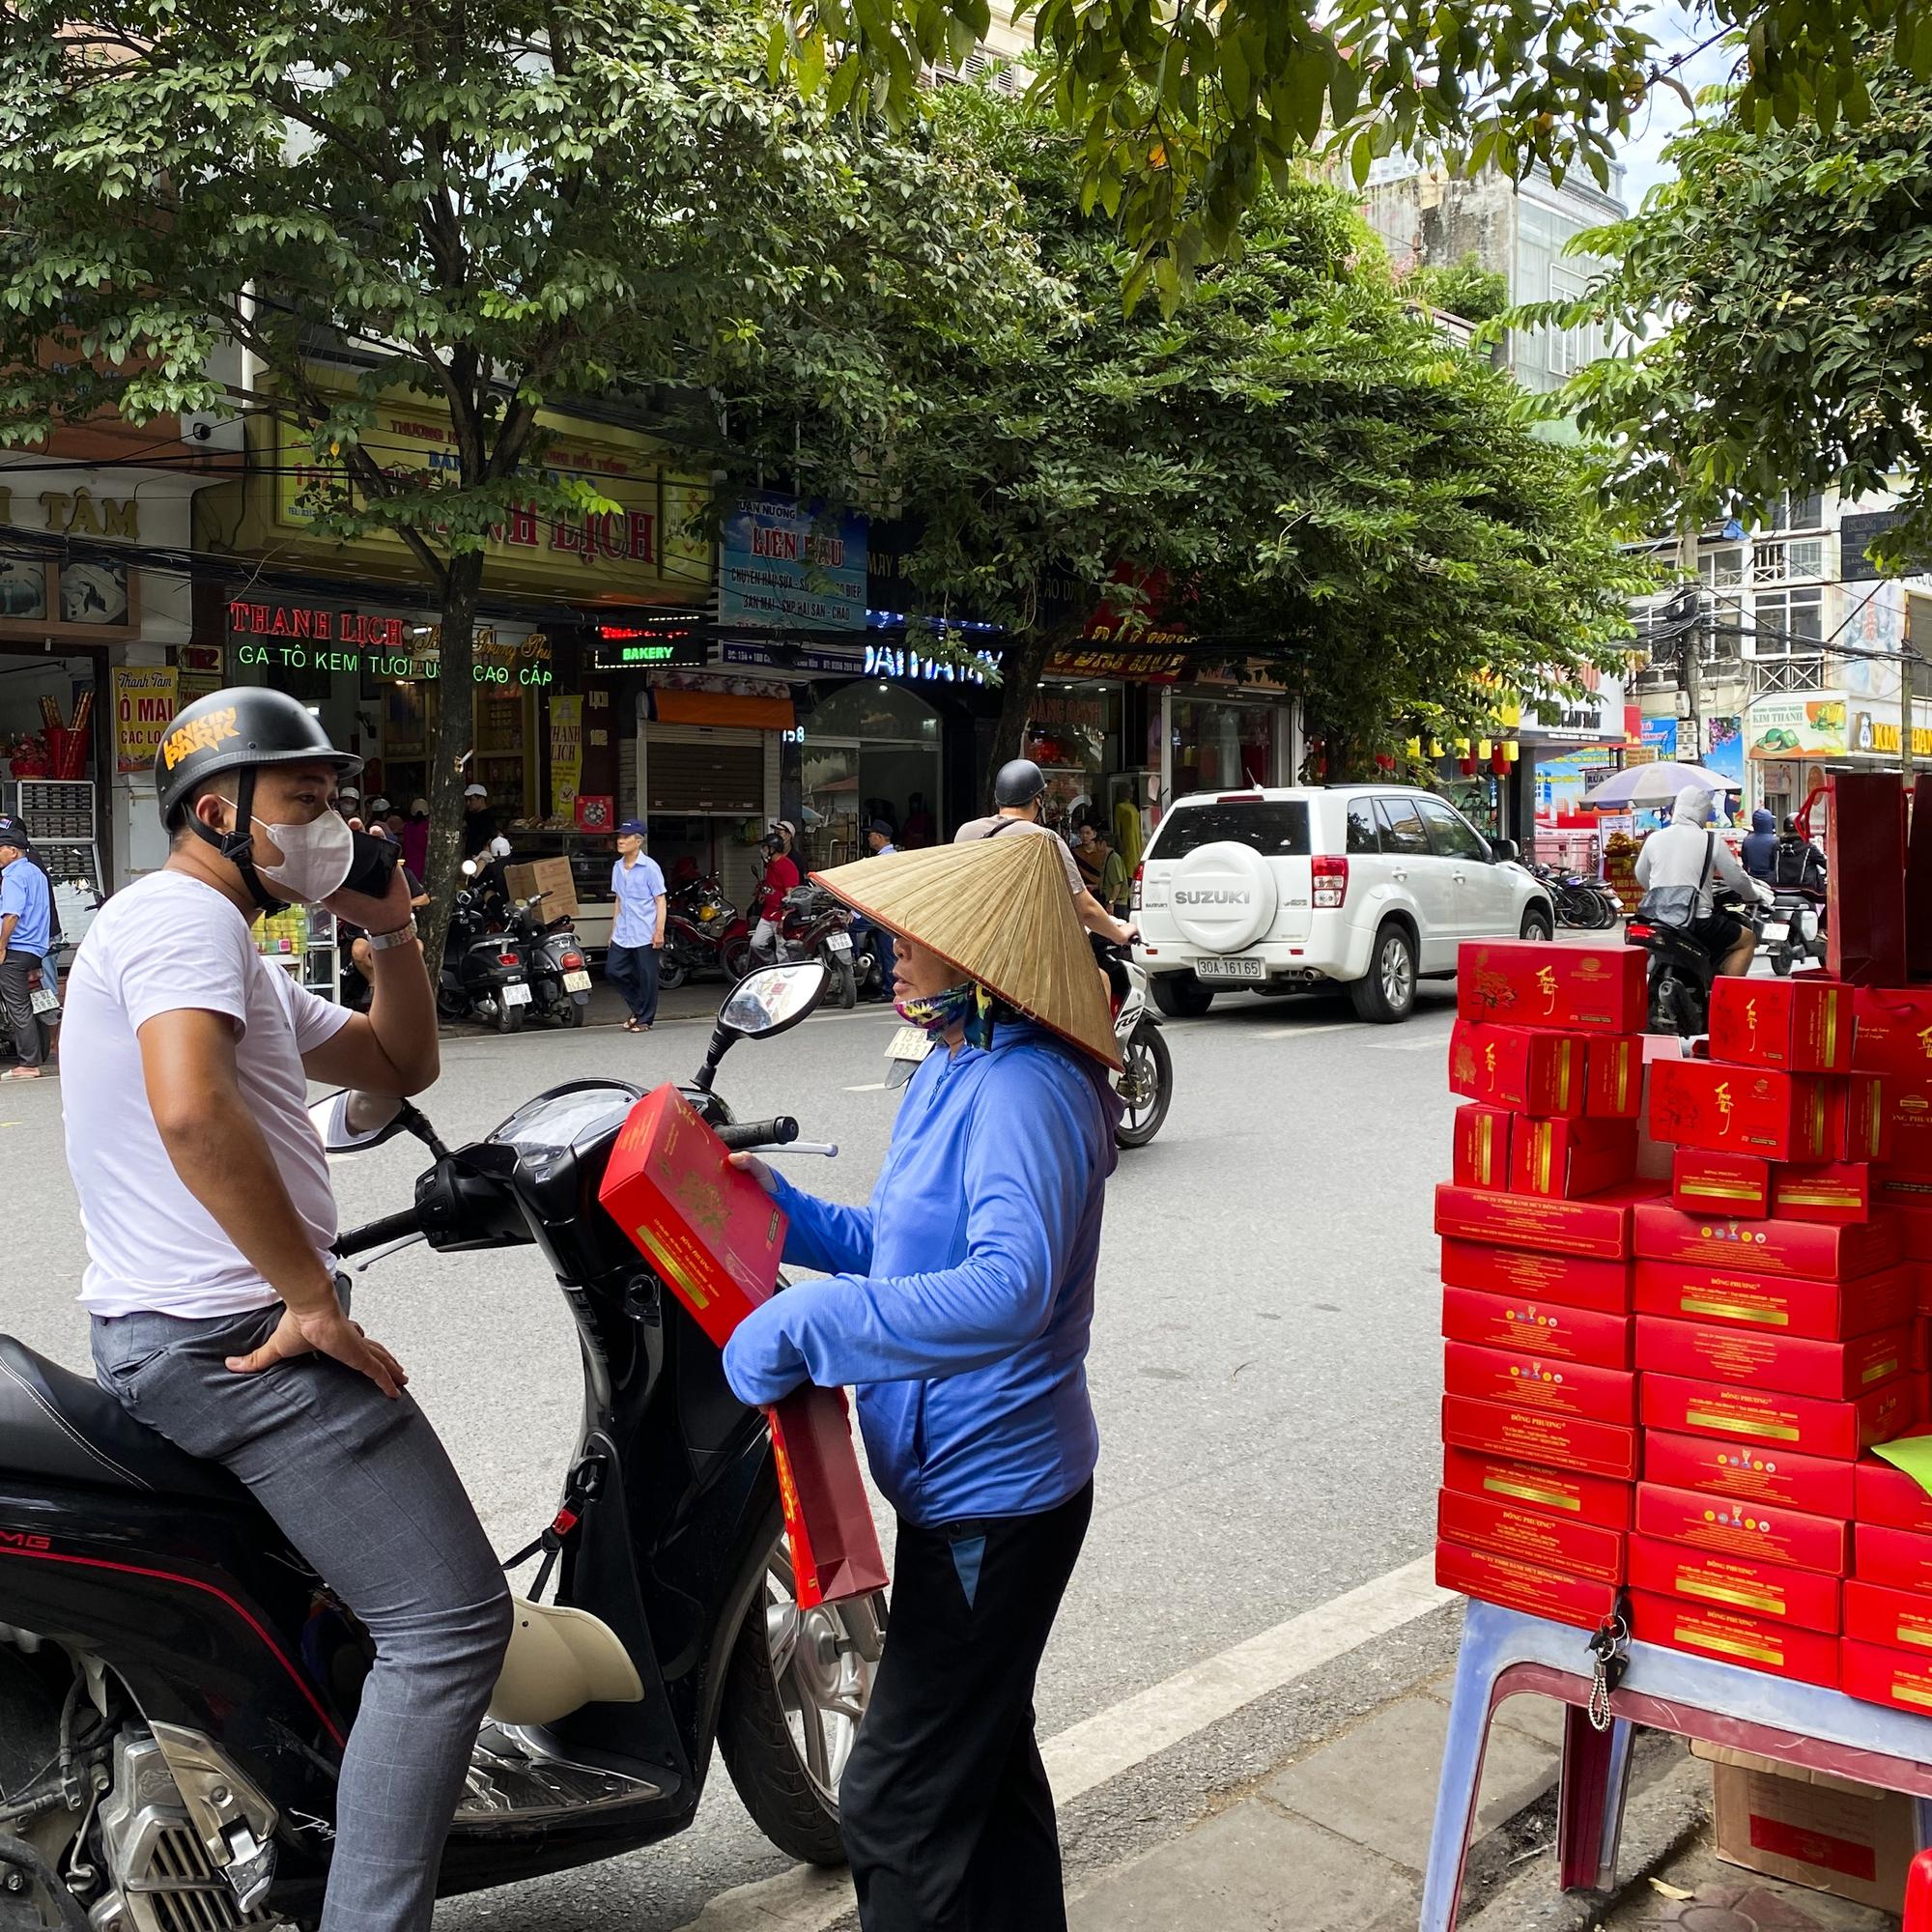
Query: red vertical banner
[{"x": 1864, "y": 850}]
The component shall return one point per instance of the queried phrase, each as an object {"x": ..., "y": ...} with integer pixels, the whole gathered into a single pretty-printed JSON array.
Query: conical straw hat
[{"x": 999, "y": 910}]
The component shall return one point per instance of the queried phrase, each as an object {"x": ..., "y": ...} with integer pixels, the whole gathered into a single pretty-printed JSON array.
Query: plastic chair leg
[
  {"x": 1590, "y": 1802},
  {"x": 1478, "y": 1665}
]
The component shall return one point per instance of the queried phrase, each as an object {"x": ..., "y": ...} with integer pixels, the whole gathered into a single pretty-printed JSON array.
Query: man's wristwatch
[{"x": 382, "y": 941}]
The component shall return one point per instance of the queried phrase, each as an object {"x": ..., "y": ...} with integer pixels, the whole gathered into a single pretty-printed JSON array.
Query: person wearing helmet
[
  {"x": 479, "y": 821},
  {"x": 781, "y": 875},
  {"x": 217, "y": 1314},
  {"x": 1018, "y": 787}
]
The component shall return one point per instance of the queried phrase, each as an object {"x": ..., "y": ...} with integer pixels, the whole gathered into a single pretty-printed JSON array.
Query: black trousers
[
  {"x": 634, "y": 971},
  {"x": 945, "y": 1807},
  {"x": 22, "y": 1022}
]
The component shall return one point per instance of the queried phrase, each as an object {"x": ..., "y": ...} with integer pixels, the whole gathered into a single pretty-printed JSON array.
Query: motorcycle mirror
[
  {"x": 349, "y": 1122},
  {"x": 762, "y": 1004}
]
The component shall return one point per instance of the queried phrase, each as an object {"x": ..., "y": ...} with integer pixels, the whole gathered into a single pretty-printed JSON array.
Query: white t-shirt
[{"x": 166, "y": 944}]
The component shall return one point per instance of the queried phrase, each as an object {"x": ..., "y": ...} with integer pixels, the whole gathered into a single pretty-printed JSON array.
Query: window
[
  {"x": 1362, "y": 834},
  {"x": 1784, "y": 561},
  {"x": 1276, "y": 831},
  {"x": 1798, "y": 513},
  {"x": 1404, "y": 832},
  {"x": 1450, "y": 835},
  {"x": 1789, "y": 623}
]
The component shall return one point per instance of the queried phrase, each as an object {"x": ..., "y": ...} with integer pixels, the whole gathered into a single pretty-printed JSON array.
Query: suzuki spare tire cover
[{"x": 1223, "y": 896}]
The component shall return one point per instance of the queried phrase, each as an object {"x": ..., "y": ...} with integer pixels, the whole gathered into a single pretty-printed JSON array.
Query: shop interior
[
  {"x": 50, "y": 739},
  {"x": 872, "y": 751}
]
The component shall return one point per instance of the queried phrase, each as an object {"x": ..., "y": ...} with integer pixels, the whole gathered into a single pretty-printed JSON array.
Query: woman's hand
[{"x": 750, "y": 1163}]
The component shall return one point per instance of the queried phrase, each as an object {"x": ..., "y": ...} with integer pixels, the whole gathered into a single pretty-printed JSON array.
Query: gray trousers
[
  {"x": 361, "y": 1486},
  {"x": 30, "y": 1039}
]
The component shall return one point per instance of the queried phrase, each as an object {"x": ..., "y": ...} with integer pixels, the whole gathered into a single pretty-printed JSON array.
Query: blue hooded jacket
[
  {"x": 1759, "y": 851},
  {"x": 960, "y": 1299}
]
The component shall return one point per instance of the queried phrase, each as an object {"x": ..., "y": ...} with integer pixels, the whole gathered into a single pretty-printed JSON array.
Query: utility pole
[
  {"x": 1906, "y": 661},
  {"x": 1690, "y": 707}
]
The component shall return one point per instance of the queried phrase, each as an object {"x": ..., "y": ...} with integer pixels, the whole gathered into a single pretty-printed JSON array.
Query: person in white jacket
[{"x": 1687, "y": 852}]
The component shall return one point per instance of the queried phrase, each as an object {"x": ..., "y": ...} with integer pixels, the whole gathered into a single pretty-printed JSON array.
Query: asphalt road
[{"x": 1263, "y": 1366}]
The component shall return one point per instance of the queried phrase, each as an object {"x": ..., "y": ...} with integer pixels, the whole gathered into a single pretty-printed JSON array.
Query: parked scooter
[
  {"x": 1145, "y": 1081},
  {"x": 553, "y": 963},
  {"x": 483, "y": 974},
  {"x": 175, "y": 1682},
  {"x": 814, "y": 924},
  {"x": 1682, "y": 969},
  {"x": 704, "y": 932},
  {"x": 1582, "y": 902}
]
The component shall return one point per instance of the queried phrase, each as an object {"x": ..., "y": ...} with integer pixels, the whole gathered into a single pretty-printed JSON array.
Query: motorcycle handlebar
[
  {"x": 777, "y": 1132},
  {"x": 395, "y": 1226}
]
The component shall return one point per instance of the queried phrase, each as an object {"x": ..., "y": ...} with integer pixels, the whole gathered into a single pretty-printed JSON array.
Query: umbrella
[{"x": 1655, "y": 785}]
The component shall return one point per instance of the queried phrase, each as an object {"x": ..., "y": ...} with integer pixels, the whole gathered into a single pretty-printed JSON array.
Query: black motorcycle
[
  {"x": 555, "y": 967},
  {"x": 176, "y": 1684},
  {"x": 1682, "y": 969},
  {"x": 484, "y": 975}
]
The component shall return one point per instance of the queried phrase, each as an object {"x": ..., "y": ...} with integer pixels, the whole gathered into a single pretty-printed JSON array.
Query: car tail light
[
  {"x": 1331, "y": 882},
  {"x": 1134, "y": 904},
  {"x": 1239, "y": 798},
  {"x": 573, "y": 963}
]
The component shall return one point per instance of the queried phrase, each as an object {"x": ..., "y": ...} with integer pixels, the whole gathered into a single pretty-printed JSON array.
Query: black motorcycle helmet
[
  {"x": 239, "y": 729},
  {"x": 1018, "y": 781}
]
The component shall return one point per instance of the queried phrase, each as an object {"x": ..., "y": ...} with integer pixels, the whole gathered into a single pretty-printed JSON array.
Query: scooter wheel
[
  {"x": 510, "y": 1019},
  {"x": 671, "y": 970},
  {"x": 573, "y": 1014}
]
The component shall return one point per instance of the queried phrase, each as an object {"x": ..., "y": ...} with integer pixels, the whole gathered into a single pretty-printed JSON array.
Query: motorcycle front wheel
[
  {"x": 510, "y": 1019},
  {"x": 735, "y": 956},
  {"x": 673, "y": 972},
  {"x": 848, "y": 984},
  {"x": 1145, "y": 1083}
]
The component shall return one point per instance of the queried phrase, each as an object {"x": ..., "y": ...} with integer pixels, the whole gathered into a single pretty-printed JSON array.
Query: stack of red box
[{"x": 1539, "y": 1415}]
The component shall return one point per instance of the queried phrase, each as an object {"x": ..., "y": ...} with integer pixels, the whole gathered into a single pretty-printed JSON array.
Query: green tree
[
  {"x": 1463, "y": 289},
  {"x": 492, "y": 205}
]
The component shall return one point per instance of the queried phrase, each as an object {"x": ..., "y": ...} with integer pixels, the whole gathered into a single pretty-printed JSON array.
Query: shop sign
[
  {"x": 146, "y": 696},
  {"x": 1660, "y": 739},
  {"x": 884, "y": 661},
  {"x": 82, "y": 513},
  {"x": 1068, "y": 711},
  {"x": 1139, "y": 666},
  {"x": 303, "y": 637},
  {"x": 1725, "y": 753},
  {"x": 620, "y": 646},
  {"x": 1549, "y": 716},
  {"x": 566, "y": 755},
  {"x": 816, "y": 663},
  {"x": 1881, "y": 736},
  {"x": 778, "y": 563},
  {"x": 1792, "y": 726}
]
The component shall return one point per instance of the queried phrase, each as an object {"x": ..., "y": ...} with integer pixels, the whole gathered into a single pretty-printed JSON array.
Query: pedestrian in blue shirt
[
  {"x": 26, "y": 932},
  {"x": 637, "y": 937},
  {"x": 959, "y": 1300}
]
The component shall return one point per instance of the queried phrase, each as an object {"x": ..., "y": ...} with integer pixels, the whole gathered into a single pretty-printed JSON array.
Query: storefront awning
[{"x": 721, "y": 708}]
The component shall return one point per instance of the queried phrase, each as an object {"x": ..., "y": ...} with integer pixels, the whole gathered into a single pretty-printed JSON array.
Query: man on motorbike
[
  {"x": 781, "y": 875},
  {"x": 1760, "y": 846},
  {"x": 1686, "y": 854},
  {"x": 959, "y": 1300},
  {"x": 1018, "y": 787},
  {"x": 217, "y": 1314},
  {"x": 1798, "y": 863}
]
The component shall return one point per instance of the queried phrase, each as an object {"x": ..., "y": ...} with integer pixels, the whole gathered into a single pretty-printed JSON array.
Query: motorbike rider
[
  {"x": 1798, "y": 863},
  {"x": 1759, "y": 849},
  {"x": 217, "y": 1314},
  {"x": 960, "y": 1301},
  {"x": 1687, "y": 853},
  {"x": 1018, "y": 787},
  {"x": 879, "y": 844},
  {"x": 781, "y": 875}
]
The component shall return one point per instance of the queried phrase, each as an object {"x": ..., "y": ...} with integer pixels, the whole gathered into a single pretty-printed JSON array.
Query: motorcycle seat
[{"x": 56, "y": 1424}]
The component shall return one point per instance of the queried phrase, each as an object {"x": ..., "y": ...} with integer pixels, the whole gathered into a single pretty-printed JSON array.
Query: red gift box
[
  {"x": 1598, "y": 1500},
  {"x": 1551, "y": 1386},
  {"x": 1882, "y": 1675},
  {"x": 708, "y": 1228},
  {"x": 1894, "y": 1029},
  {"x": 1758, "y": 1643},
  {"x": 1582, "y": 1601},
  {"x": 1834, "y": 1193},
  {"x": 1530, "y": 1535},
  {"x": 1792, "y": 1539},
  {"x": 1613, "y": 1077},
  {"x": 1802, "y": 1598},
  {"x": 1770, "y": 1418},
  {"x": 1573, "y": 1158},
  {"x": 1859, "y": 1116},
  {"x": 1511, "y": 1321},
  {"x": 1532, "y": 1072},
  {"x": 1886, "y": 1495},
  {"x": 1748, "y": 1357},
  {"x": 1532, "y": 983},
  {"x": 1774, "y": 1477},
  {"x": 1599, "y": 1229},
  {"x": 1908, "y": 1116},
  {"x": 1733, "y": 1185},
  {"x": 1730, "y": 1109},
  {"x": 835, "y": 1547},
  {"x": 1825, "y": 1311},
  {"x": 1574, "y": 1282},
  {"x": 1804, "y": 1026},
  {"x": 1482, "y": 1146},
  {"x": 1662, "y": 1234},
  {"x": 1902, "y": 1559},
  {"x": 1898, "y": 1619},
  {"x": 1550, "y": 1441}
]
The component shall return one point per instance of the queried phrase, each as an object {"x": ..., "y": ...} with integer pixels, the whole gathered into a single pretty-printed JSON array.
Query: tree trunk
[
  {"x": 1021, "y": 665},
  {"x": 455, "y": 738}
]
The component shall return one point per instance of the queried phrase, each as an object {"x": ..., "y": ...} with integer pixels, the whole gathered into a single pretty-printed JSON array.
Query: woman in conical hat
[{"x": 958, "y": 1301}]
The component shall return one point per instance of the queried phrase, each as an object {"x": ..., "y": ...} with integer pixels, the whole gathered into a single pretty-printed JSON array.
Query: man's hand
[
  {"x": 328, "y": 1332},
  {"x": 388, "y": 914},
  {"x": 750, "y": 1163}
]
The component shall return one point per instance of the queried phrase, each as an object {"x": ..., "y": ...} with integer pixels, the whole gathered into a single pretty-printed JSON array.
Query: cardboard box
[
  {"x": 1546, "y": 1330},
  {"x": 1908, "y": 1116},
  {"x": 1739, "y": 1109},
  {"x": 1858, "y": 1117},
  {"x": 1597, "y": 1230},
  {"x": 1778, "y": 1479},
  {"x": 1584, "y": 1602},
  {"x": 1748, "y": 1357},
  {"x": 1661, "y": 1232},
  {"x": 1532, "y": 1072},
  {"x": 708, "y": 1228},
  {"x": 1737, "y": 1186},
  {"x": 1548, "y": 1386},
  {"x": 1802, "y": 1598},
  {"x": 1549, "y": 1441},
  {"x": 1888, "y": 1496},
  {"x": 1732, "y": 1636},
  {"x": 1597, "y": 1499},
  {"x": 1573, "y": 1282},
  {"x": 1800, "y": 1025},
  {"x": 1898, "y": 1619},
  {"x": 550, "y": 877},
  {"x": 1826, "y": 1311},
  {"x": 1482, "y": 1146},
  {"x": 1573, "y": 1158},
  {"x": 1851, "y": 1841},
  {"x": 1530, "y": 1535},
  {"x": 1613, "y": 1077},
  {"x": 1894, "y": 1033},
  {"x": 1791, "y": 1539},
  {"x": 1531, "y": 983},
  {"x": 1775, "y": 1420},
  {"x": 1899, "y": 1558},
  {"x": 1882, "y": 1675},
  {"x": 1833, "y": 1192}
]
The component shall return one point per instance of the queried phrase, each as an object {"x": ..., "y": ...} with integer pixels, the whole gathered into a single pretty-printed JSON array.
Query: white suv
[{"x": 1290, "y": 888}]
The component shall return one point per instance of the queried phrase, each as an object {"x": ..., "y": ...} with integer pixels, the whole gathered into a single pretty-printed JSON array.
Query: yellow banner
[
  {"x": 566, "y": 755},
  {"x": 145, "y": 698}
]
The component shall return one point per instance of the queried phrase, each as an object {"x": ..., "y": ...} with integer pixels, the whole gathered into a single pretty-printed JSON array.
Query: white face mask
[{"x": 316, "y": 857}]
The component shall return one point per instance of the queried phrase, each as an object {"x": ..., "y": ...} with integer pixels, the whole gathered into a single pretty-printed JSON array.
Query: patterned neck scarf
[{"x": 968, "y": 1003}]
